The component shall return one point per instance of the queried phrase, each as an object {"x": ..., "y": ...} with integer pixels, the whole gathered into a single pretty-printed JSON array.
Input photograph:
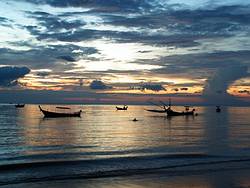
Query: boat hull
[
  {"x": 49, "y": 114},
  {"x": 124, "y": 108},
  {"x": 157, "y": 111},
  {"x": 173, "y": 113},
  {"x": 19, "y": 105}
]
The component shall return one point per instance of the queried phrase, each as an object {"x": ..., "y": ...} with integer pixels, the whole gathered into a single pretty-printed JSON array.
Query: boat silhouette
[
  {"x": 125, "y": 107},
  {"x": 19, "y": 105},
  {"x": 168, "y": 109},
  {"x": 171, "y": 112},
  {"x": 218, "y": 109},
  {"x": 54, "y": 114}
]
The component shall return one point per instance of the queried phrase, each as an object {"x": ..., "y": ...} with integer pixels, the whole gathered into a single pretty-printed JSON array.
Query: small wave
[
  {"x": 73, "y": 162},
  {"x": 76, "y": 152},
  {"x": 97, "y": 168}
]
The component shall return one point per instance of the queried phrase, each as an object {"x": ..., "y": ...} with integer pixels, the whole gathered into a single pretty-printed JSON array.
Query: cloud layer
[
  {"x": 173, "y": 43},
  {"x": 9, "y": 75},
  {"x": 99, "y": 85}
]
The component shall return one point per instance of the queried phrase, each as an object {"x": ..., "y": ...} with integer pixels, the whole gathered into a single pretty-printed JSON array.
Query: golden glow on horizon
[
  {"x": 129, "y": 84},
  {"x": 197, "y": 90},
  {"x": 38, "y": 83},
  {"x": 150, "y": 78},
  {"x": 240, "y": 91},
  {"x": 240, "y": 88}
]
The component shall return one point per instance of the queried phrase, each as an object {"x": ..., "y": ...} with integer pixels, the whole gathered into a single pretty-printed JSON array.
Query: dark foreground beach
[
  {"x": 105, "y": 148},
  {"x": 232, "y": 174}
]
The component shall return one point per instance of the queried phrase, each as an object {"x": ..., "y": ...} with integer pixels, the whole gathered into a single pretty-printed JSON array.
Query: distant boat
[
  {"x": 218, "y": 109},
  {"x": 19, "y": 105},
  {"x": 54, "y": 114},
  {"x": 167, "y": 109},
  {"x": 125, "y": 107}
]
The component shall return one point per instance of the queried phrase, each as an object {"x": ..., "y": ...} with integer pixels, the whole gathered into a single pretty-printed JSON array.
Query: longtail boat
[
  {"x": 54, "y": 114},
  {"x": 171, "y": 112},
  {"x": 167, "y": 109},
  {"x": 187, "y": 112}
]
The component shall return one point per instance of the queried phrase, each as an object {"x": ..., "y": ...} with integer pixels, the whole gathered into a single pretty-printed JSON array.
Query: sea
[{"x": 106, "y": 148}]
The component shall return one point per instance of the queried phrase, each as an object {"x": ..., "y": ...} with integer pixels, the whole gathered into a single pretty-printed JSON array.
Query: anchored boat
[
  {"x": 125, "y": 107},
  {"x": 171, "y": 112},
  {"x": 167, "y": 109},
  {"x": 218, "y": 109},
  {"x": 19, "y": 105},
  {"x": 187, "y": 112},
  {"x": 54, "y": 114}
]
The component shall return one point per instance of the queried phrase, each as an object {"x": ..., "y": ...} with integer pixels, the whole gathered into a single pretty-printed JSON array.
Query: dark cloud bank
[
  {"x": 9, "y": 75},
  {"x": 99, "y": 85}
]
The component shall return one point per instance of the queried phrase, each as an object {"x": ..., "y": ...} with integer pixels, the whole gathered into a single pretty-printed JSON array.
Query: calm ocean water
[{"x": 105, "y": 142}]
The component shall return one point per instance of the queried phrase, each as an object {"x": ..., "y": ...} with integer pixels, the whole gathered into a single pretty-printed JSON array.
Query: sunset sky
[{"x": 131, "y": 51}]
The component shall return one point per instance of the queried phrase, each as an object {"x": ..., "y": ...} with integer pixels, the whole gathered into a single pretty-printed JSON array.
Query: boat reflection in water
[{"x": 55, "y": 114}]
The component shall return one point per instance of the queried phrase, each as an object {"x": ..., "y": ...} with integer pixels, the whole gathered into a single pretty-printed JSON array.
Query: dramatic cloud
[
  {"x": 53, "y": 23},
  {"x": 98, "y": 5},
  {"x": 5, "y": 21},
  {"x": 141, "y": 43},
  {"x": 10, "y": 75},
  {"x": 43, "y": 74},
  {"x": 99, "y": 85},
  {"x": 215, "y": 90},
  {"x": 219, "y": 83},
  {"x": 67, "y": 58},
  {"x": 201, "y": 65},
  {"x": 58, "y": 57},
  {"x": 179, "y": 28}
]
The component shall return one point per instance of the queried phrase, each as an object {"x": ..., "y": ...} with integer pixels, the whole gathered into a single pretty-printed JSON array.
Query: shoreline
[
  {"x": 233, "y": 174},
  {"x": 174, "y": 172}
]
